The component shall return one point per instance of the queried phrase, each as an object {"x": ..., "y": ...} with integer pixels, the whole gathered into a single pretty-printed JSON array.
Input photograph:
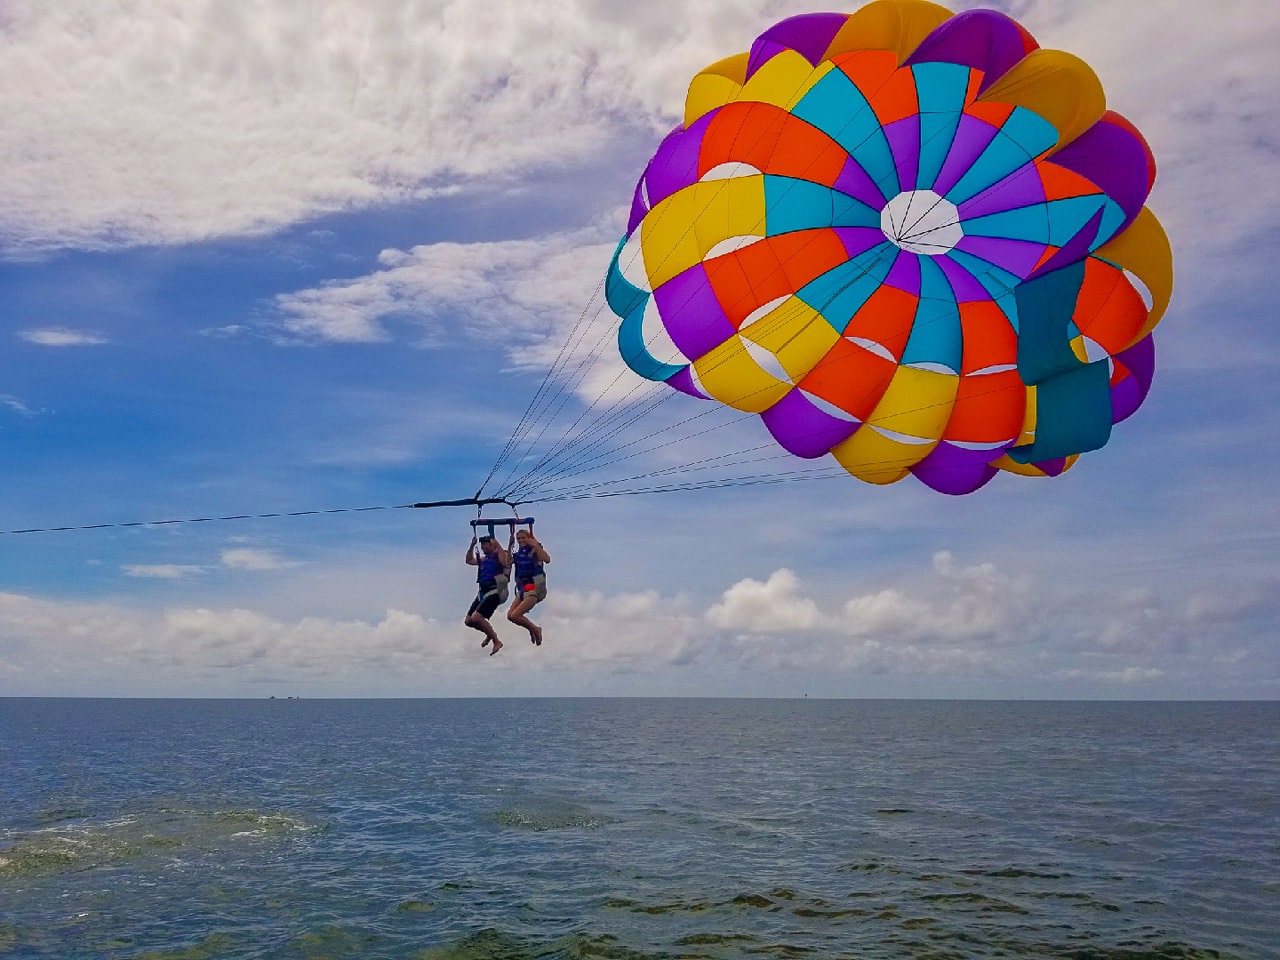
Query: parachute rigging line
[
  {"x": 584, "y": 366},
  {"x": 519, "y": 432},
  {"x": 547, "y": 469},
  {"x": 424, "y": 505}
]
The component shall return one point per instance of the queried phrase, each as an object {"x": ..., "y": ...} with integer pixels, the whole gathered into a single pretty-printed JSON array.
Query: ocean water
[{"x": 580, "y": 828}]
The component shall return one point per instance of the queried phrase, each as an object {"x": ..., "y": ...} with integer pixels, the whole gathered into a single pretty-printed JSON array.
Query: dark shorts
[{"x": 485, "y": 604}]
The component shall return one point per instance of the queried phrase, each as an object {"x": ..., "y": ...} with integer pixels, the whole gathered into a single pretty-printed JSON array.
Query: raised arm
[{"x": 472, "y": 559}]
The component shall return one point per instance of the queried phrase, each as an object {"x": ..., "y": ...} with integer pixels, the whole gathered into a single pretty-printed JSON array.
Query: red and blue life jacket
[{"x": 527, "y": 564}]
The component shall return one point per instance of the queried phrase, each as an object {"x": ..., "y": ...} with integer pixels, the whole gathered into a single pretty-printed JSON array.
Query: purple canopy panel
[
  {"x": 638, "y": 206},
  {"x": 1074, "y": 250},
  {"x": 986, "y": 40},
  {"x": 1051, "y": 468},
  {"x": 1114, "y": 159},
  {"x": 904, "y": 143},
  {"x": 905, "y": 273},
  {"x": 762, "y": 53},
  {"x": 1126, "y": 398},
  {"x": 1022, "y": 188},
  {"x": 972, "y": 137},
  {"x": 1128, "y": 395},
  {"x": 857, "y": 183},
  {"x": 692, "y": 314},
  {"x": 956, "y": 470},
  {"x": 802, "y": 429},
  {"x": 858, "y": 240},
  {"x": 683, "y": 381},
  {"x": 1018, "y": 257},
  {"x": 808, "y": 35},
  {"x": 963, "y": 283},
  {"x": 675, "y": 165}
]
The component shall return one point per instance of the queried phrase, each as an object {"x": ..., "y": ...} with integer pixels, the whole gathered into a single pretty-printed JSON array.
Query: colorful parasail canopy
[{"x": 912, "y": 240}]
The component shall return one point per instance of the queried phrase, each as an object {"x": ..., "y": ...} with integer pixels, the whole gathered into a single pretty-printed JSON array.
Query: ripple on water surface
[
  {"x": 80, "y": 843},
  {"x": 565, "y": 830}
]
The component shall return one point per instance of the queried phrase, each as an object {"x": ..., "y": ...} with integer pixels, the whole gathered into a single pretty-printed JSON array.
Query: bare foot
[
  {"x": 485, "y": 643},
  {"x": 535, "y": 635},
  {"x": 497, "y": 645}
]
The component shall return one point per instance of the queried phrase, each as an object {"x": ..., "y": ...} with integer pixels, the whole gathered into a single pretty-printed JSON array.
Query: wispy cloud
[
  {"x": 525, "y": 295},
  {"x": 395, "y": 101},
  {"x": 274, "y": 112},
  {"x": 19, "y": 406},
  {"x": 163, "y": 571},
  {"x": 1129, "y": 675},
  {"x": 515, "y": 288},
  {"x": 62, "y": 337},
  {"x": 248, "y": 558}
]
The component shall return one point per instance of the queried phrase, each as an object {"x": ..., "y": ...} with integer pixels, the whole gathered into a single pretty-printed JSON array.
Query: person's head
[
  {"x": 524, "y": 537},
  {"x": 489, "y": 545}
]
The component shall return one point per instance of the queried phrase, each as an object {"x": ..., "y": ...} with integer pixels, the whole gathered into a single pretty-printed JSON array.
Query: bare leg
[
  {"x": 517, "y": 616},
  {"x": 477, "y": 622}
]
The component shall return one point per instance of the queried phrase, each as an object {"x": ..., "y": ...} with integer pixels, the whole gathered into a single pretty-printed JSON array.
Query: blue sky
[{"x": 253, "y": 259}]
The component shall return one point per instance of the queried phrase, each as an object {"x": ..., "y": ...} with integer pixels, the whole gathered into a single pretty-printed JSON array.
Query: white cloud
[
  {"x": 248, "y": 558},
  {"x": 1133, "y": 624},
  {"x": 55, "y": 640},
  {"x": 176, "y": 121},
  {"x": 162, "y": 571},
  {"x": 524, "y": 296},
  {"x": 962, "y": 620},
  {"x": 773, "y": 606},
  {"x": 19, "y": 406},
  {"x": 1133, "y": 675},
  {"x": 1127, "y": 675},
  {"x": 62, "y": 337},
  {"x": 496, "y": 290},
  {"x": 952, "y": 623},
  {"x": 961, "y": 603}
]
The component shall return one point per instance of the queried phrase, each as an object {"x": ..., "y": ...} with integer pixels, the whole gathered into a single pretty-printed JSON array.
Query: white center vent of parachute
[{"x": 920, "y": 221}]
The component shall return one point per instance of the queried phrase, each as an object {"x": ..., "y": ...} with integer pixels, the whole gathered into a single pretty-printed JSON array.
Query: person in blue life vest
[
  {"x": 491, "y": 578},
  {"x": 531, "y": 582}
]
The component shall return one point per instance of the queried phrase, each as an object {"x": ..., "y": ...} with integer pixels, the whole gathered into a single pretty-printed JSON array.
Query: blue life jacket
[
  {"x": 490, "y": 569},
  {"x": 527, "y": 564}
]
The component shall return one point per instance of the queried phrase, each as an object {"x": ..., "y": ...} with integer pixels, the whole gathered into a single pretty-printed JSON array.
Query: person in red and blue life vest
[
  {"x": 491, "y": 579},
  {"x": 531, "y": 582}
]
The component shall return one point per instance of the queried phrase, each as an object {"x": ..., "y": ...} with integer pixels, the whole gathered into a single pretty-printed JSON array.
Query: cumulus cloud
[
  {"x": 958, "y": 603},
  {"x": 953, "y": 620},
  {"x": 62, "y": 337},
  {"x": 593, "y": 633},
  {"x": 962, "y": 619},
  {"x": 775, "y": 605},
  {"x": 51, "y": 640}
]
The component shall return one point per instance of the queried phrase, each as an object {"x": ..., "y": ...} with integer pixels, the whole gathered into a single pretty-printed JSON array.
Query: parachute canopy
[{"x": 912, "y": 240}]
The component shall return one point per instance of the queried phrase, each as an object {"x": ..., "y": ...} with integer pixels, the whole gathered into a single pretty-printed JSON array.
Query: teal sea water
[{"x": 179, "y": 830}]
